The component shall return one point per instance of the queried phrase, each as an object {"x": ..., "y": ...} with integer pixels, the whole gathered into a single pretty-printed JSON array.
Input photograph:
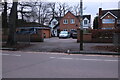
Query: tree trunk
[
  {"x": 12, "y": 25},
  {"x": 4, "y": 16}
]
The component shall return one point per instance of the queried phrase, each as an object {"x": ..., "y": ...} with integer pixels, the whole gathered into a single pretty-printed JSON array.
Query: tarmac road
[{"x": 19, "y": 64}]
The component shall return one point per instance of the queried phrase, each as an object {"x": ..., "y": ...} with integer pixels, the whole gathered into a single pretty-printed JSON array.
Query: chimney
[
  {"x": 99, "y": 20},
  {"x": 100, "y": 11}
]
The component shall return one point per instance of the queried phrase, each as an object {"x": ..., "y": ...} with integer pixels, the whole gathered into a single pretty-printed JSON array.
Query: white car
[{"x": 64, "y": 34}]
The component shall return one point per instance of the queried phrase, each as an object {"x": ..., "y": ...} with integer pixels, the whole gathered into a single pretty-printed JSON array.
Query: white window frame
[
  {"x": 72, "y": 21},
  {"x": 86, "y": 21},
  {"x": 105, "y": 21},
  {"x": 65, "y": 21}
]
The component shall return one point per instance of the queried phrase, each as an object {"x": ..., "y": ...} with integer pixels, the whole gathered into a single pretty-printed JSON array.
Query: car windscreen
[{"x": 63, "y": 32}]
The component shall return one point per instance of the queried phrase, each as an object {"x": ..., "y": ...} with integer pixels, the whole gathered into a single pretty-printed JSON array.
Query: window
[
  {"x": 85, "y": 22},
  {"x": 65, "y": 30},
  {"x": 107, "y": 21},
  {"x": 54, "y": 22},
  {"x": 72, "y": 21},
  {"x": 65, "y": 21},
  {"x": 118, "y": 21}
]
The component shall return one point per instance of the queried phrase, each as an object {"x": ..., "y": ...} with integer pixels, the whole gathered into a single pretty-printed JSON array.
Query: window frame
[
  {"x": 65, "y": 21},
  {"x": 72, "y": 21},
  {"x": 105, "y": 21},
  {"x": 85, "y": 22}
]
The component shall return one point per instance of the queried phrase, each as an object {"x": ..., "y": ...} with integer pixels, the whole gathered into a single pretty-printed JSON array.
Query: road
[{"x": 18, "y": 64}]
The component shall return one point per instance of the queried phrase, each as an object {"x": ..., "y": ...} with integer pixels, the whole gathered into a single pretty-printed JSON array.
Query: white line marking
[
  {"x": 5, "y": 54},
  {"x": 11, "y": 55},
  {"x": 52, "y": 57},
  {"x": 16, "y": 55},
  {"x": 65, "y": 58}
]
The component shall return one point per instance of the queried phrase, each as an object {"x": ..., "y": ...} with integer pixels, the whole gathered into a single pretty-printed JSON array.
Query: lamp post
[{"x": 81, "y": 25}]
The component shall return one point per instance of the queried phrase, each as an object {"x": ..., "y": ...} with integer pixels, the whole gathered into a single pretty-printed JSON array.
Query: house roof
[
  {"x": 29, "y": 24},
  {"x": 87, "y": 16},
  {"x": 57, "y": 26},
  {"x": 33, "y": 27},
  {"x": 114, "y": 13},
  {"x": 57, "y": 18}
]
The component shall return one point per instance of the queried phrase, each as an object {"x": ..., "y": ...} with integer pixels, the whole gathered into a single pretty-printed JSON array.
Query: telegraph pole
[{"x": 81, "y": 25}]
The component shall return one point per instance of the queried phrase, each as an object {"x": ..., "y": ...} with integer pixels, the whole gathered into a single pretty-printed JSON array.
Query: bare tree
[
  {"x": 53, "y": 9},
  {"x": 76, "y": 9},
  {"x": 4, "y": 16},
  {"x": 62, "y": 9},
  {"x": 12, "y": 25},
  {"x": 28, "y": 11},
  {"x": 45, "y": 13}
]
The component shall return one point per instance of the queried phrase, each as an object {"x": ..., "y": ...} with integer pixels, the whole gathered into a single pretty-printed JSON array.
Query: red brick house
[
  {"x": 69, "y": 22},
  {"x": 109, "y": 19}
]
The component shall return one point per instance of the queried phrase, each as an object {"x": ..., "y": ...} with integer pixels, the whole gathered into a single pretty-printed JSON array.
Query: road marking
[
  {"x": 5, "y": 54},
  {"x": 64, "y": 58},
  {"x": 52, "y": 57},
  {"x": 84, "y": 59},
  {"x": 11, "y": 55}
]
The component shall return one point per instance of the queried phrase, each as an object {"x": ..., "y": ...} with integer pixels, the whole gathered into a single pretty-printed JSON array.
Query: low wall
[{"x": 87, "y": 37}]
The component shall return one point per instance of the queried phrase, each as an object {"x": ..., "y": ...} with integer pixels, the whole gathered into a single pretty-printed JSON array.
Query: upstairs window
[
  {"x": 65, "y": 21},
  {"x": 72, "y": 21},
  {"x": 85, "y": 22},
  {"x": 54, "y": 23},
  {"x": 108, "y": 21}
]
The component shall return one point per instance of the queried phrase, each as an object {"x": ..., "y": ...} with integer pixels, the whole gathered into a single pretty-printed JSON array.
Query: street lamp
[{"x": 81, "y": 25}]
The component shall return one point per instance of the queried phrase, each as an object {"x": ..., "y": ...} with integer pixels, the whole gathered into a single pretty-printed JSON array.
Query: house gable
[
  {"x": 108, "y": 18},
  {"x": 69, "y": 15},
  {"x": 53, "y": 23},
  {"x": 85, "y": 19},
  {"x": 86, "y": 23},
  {"x": 69, "y": 22},
  {"x": 107, "y": 14}
]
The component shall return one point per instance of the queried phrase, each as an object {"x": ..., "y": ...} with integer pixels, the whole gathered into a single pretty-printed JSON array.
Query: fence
[
  {"x": 23, "y": 38},
  {"x": 116, "y": 39},
  {"x": 105, "y": 36}
]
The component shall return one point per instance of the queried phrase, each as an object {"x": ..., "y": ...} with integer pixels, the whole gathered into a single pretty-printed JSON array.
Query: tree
[
  {"x": 28, "y": 11},
  {"x": 62, "y": 9},
  {"x": 53, "y": 9},
  {"x": 4, "y": 16},
  {"x": 12, "y": 25},
  {"x": 95, "y": 23},
  {"x": 76, "y": 9}
]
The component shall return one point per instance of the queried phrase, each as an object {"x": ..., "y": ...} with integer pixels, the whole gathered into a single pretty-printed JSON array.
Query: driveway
[{"x": 61, "y": 45}]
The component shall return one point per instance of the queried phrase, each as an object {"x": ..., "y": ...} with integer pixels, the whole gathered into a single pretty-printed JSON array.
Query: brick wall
[
  {"x": 87, "y": 37},
  {"x": 108, "y": 16},
  {"x": 69, "y": 26},
  {"x": 102, "y": 36},
  {"x": 46, "y": 33},
  {"x": 109, "y": 25}
]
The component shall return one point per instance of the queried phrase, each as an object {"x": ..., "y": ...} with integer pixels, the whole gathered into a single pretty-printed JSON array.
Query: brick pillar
[{"x": 78, "y": 35}]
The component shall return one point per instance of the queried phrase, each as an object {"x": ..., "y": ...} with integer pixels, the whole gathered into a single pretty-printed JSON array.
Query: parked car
[
  {"x": 64, "y": 34},
  {"x": 74, "y": 34}
]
